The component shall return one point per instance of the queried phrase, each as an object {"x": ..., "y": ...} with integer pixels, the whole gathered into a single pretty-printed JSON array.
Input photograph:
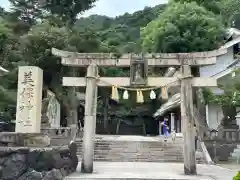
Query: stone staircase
[
  {"x": 137, "y": 149},
  {"x": 235, "y": 156}
]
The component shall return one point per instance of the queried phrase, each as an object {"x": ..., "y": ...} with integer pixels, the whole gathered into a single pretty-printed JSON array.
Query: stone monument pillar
[{"x": 29, "y": 99}]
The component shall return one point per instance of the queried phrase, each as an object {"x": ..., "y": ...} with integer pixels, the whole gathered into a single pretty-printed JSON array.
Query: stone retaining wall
[{"x": 24, "y": 163}]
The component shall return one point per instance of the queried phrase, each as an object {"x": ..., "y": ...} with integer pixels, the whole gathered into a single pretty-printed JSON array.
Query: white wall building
[{"x": 222, "y": 71}]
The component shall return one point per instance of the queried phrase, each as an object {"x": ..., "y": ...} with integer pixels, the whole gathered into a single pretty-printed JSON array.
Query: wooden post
[
  {"x": 188, "y": 121},
  {"x": 90, "y": 119}
]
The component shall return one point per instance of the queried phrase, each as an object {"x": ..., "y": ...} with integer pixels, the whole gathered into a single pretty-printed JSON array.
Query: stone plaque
[
  {"x": 29, "y": 100},
  {"x": 138, "y": 71}
]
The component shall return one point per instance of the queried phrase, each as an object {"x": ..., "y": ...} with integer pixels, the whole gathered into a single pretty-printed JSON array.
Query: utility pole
[{"x": 190, "y": 167}]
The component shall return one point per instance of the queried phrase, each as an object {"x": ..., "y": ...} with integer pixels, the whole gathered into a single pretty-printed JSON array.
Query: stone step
[
  {"x": 138, "y": 151},
  {"x": 127, "y": 159},
  {"x": 142, "y": 142},
  {"x": 129, "y": 149},
  {"x": 135, "y": 142},
  {"x": 137, "y": 146},
  {"x": 160, "y": 148},
  {"x": 133, "y": 146},
  {"x": 132, "y": 149},
  {"x": 135, "y": 156},
  {"x": 141, "y": 153},
  {"x": 169, "y": 160}
]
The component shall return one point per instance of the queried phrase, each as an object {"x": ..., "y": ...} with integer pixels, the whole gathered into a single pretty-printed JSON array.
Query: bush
[{"x": 237, "y": 177}]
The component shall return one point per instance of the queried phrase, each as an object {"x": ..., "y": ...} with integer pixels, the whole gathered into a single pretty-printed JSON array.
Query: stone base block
[
  {"x": 24, "y": 139},
  {"x": 25, "y": 163}
]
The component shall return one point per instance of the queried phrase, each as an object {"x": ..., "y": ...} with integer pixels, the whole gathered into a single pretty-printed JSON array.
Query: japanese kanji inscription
[{"x": 28, "y": 117}]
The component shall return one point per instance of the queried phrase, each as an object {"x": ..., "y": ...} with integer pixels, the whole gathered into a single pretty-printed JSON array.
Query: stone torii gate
[{"x": 139, "y": 64}]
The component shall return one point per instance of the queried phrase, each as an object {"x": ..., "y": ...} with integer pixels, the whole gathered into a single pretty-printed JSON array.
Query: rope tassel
[
  {"x": 125, "y": 95},
  {"x": 164, "y": 93},
  {"x": 115, "y": 95},
  {"x": 140, "y": 98},
  {"x": 152, "y": 95}
]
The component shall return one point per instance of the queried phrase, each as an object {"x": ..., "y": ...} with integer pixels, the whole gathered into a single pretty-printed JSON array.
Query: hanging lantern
[
  {"x": 115, "y": 95},
  {"x": 125, "y": 95},
  {"x": 140, "y": 98},
  {"x": 152, "y": 95}
]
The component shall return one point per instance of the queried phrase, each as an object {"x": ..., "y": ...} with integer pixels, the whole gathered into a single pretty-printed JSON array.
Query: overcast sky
[{"x": 111, "y": 7}]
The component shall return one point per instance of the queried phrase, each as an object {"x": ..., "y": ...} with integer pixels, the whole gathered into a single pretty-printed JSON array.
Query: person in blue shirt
[{"x": 165, "y": 128}]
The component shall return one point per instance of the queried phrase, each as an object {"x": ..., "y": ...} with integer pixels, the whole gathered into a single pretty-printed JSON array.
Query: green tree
[
  {"x": 27, "y": 10},
  {"x": 230, "y": 10},
  {"x": 8, "y": 59},
  {"x": 212, "y": 5},
  {"x": 33, "y": 10},
  {"x": 68, "y": 9},
  {"x": 37, "y": 44},
  {"x": 183, "y": 27}
]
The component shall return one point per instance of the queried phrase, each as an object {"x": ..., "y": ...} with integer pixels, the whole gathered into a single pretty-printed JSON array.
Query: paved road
[{"x": 160, "y": 171}]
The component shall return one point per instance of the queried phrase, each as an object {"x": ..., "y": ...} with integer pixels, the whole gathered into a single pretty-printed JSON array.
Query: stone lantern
[{"x": 213, "y": 133}]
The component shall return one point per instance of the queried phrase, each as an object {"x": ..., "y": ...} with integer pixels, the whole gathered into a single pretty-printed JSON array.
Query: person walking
[{"x": 165, "y": 129}]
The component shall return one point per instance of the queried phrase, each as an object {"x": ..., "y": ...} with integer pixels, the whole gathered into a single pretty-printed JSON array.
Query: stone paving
[
  {"x": 235, "y": 167},
  {"x": 147, "y": 171}
]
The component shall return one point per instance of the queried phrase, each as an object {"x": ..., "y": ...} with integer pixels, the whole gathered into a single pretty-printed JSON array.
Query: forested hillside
[
  {"x": 25, "y": 41},
  {"x": 120, "y": 34},
  {"x": 31, "y": 29}
]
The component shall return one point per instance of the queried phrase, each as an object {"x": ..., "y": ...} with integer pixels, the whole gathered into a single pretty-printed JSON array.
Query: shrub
[{"x": 237, "y": 177}]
